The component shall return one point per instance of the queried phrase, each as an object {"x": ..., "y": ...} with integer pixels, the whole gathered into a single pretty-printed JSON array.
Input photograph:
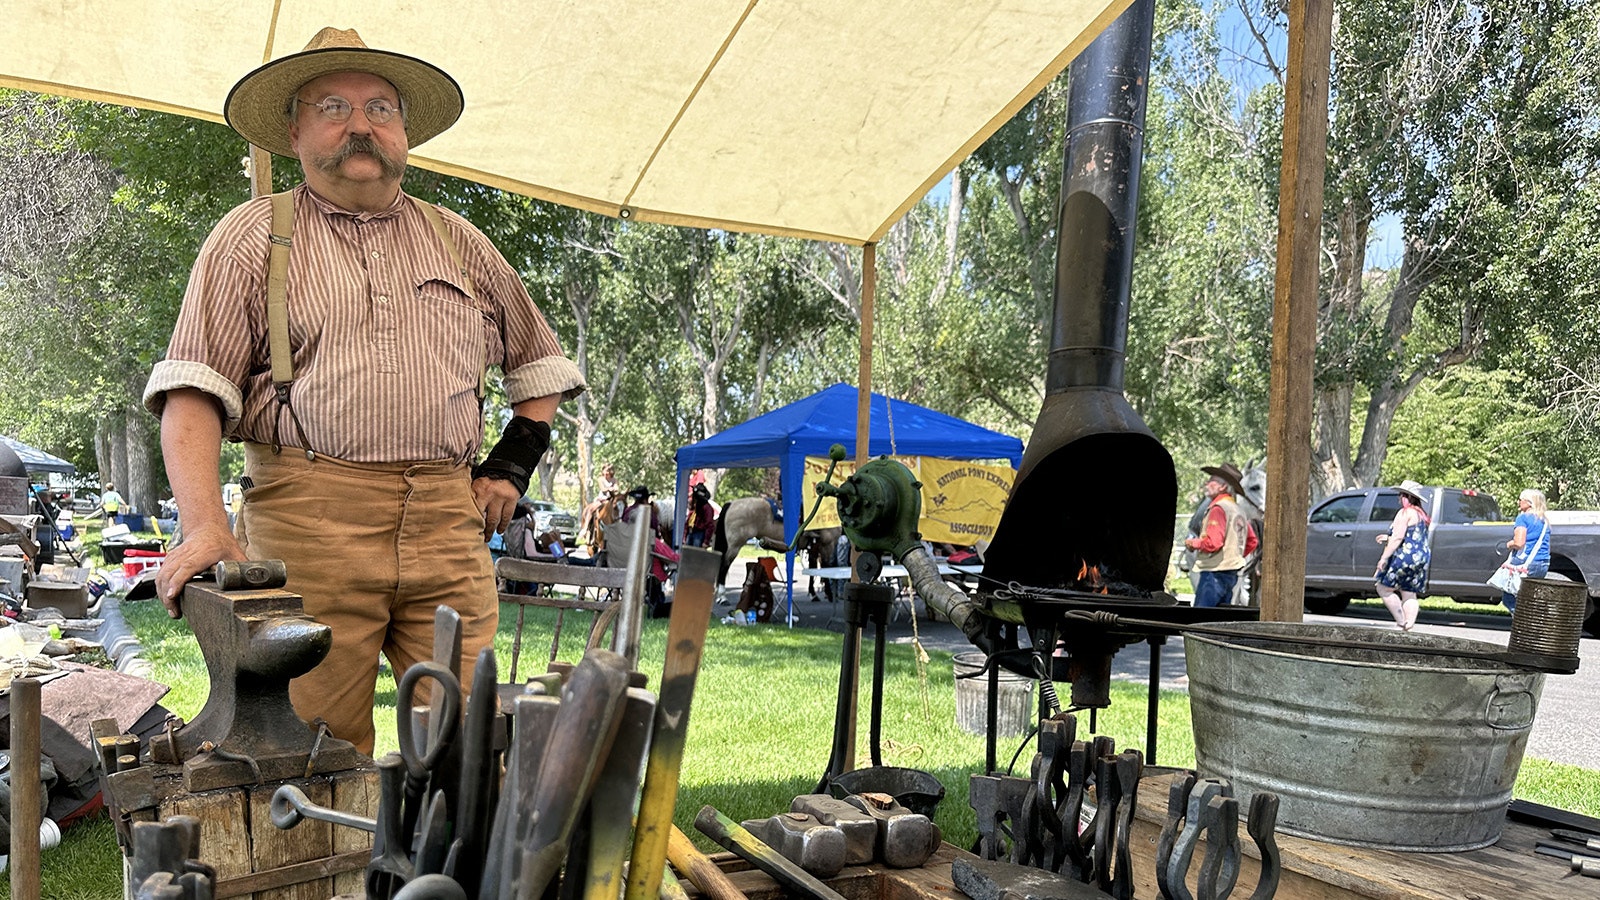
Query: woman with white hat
[{"x": 1402, "y": 571}]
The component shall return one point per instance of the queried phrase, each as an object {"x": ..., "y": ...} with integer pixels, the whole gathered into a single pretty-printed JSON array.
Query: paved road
[{"x": 1565, "y": 729}]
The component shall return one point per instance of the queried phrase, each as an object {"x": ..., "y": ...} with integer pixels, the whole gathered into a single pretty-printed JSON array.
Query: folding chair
[{"x": 599, "y": 589}]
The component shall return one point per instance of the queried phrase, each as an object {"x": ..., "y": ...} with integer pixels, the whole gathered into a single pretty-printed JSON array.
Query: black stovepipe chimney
[{"x": 1095, "y": 486}]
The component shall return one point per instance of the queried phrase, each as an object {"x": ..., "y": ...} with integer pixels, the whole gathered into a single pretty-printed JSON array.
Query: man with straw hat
[
  {"x": 1227, "y": 539},
  {"x": 342, "y": 332}
]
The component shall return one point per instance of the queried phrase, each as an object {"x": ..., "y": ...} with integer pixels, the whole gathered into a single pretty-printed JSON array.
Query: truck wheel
[{"x": 1327, "y": 605}]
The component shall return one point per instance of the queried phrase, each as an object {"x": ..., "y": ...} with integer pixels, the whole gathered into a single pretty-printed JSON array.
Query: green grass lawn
[{"x": 760, "y": 730}]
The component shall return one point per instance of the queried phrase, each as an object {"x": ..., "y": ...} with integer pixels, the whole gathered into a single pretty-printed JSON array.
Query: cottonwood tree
[
  {"x": 101, "y": 264},
  {"x": 1453, "y": 121}
]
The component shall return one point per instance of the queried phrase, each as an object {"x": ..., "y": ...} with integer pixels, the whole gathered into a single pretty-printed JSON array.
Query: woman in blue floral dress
[{"x": 1402, "y": 571}]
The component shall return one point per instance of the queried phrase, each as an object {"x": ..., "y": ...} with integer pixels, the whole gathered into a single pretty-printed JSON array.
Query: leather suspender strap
[
  {"x": 430, "y": 213},
  {"x": 278, "y": 350},
  {"x": 277, "y": 288}
]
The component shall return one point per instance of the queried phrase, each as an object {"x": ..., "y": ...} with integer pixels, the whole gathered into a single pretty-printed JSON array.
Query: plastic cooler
[{"x": 137, "y": 562}]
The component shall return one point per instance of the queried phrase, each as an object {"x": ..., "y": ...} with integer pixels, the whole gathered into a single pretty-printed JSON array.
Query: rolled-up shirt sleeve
[
  {"x": 531, "y": 359},
  {"x": 219, "y": 334}
]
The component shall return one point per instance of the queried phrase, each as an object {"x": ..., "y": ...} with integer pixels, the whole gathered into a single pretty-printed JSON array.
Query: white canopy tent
[{"x": 824, "y": 119}]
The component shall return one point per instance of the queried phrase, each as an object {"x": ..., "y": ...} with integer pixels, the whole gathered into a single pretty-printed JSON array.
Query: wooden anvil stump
[{"x": 254, "y": 637}]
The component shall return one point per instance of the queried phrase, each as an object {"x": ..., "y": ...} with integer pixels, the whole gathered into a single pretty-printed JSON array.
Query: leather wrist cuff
[{"x": 515, "y": 457}]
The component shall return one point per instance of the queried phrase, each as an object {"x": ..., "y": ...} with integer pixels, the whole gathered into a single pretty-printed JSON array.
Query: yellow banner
[{"x": 961, "y": 501}]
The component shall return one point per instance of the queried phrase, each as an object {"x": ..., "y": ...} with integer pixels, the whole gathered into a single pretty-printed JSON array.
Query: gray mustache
[{"x": 362, "y": 144}]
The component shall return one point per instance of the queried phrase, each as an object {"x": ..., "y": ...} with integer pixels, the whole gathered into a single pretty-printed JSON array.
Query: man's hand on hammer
[{"x": 199, "y": 551}]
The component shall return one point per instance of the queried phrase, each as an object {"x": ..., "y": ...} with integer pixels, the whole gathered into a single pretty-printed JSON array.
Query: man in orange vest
[{"x": 1227, "y": 539}]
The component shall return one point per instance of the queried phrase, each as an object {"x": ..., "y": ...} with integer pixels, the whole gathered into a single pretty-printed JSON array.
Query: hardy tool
[
  {"x": 432, "y": 844},
  {"x": 1177, "y": 802},
  {"x": 447, "y": 653},
  {"x": 1194, "y": 824},
  {"x": 1220, "y": 870},
  {"x": 686, "y": 638},
  {"x": 585, "y": 726},
  {"x": 733, "y": 836},
  {"x": 1129, "y": 769},
  {"x": 390, "y": 869},
  {"x": 1262, "y": 827}
]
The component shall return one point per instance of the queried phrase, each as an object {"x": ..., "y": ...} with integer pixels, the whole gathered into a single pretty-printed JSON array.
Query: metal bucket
[
  {"x": 1014, "y": 707},
  {"x": 1399, "y": 751}
]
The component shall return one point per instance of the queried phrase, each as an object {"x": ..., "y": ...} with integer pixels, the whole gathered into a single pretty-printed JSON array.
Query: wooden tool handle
[{"x": 699, "y": 868}]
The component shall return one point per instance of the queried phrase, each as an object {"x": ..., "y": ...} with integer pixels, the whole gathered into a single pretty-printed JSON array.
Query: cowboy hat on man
[{"x": 1229, "y": 476}]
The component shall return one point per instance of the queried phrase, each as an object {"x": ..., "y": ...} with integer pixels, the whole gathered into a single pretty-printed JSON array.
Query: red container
[{"x": 137, "y": 562}]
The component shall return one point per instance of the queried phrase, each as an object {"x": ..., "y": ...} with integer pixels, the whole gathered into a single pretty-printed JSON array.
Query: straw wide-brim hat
[
  {"x": 257, "y": 105},
  {"x": 1230, "y": 476},
  {"x": 1411, "y": 487}
]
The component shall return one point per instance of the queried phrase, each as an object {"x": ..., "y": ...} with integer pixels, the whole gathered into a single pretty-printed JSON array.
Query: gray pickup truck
[{"x": 1469, "y": 543}]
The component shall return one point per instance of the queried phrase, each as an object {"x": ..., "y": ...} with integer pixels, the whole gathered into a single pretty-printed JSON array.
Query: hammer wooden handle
[{"x": 699, "y": 868}]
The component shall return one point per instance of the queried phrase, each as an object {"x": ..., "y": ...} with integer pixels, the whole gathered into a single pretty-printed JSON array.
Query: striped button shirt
[{"x": 388, "y": 346}]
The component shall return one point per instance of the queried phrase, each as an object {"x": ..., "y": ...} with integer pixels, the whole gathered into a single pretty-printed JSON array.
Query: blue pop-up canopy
[{"x": 784, "y": 438}]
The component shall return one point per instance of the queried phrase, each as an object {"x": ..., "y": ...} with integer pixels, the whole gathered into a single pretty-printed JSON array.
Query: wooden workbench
[{"x": 1313, "y": 870}]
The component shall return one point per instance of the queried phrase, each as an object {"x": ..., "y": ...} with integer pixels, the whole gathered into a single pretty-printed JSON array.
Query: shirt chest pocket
[{"x": 456, "y": 330}]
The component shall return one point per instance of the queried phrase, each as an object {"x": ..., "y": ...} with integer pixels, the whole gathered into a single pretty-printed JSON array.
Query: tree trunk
[{"x": 141, "y": 454}]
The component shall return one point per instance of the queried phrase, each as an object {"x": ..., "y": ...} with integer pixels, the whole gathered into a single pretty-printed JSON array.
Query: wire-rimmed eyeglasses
[{"x": 337, "y": 109}]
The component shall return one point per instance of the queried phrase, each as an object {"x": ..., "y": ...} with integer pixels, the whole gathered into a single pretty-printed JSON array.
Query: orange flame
[{"x": 1089, "y": 577}]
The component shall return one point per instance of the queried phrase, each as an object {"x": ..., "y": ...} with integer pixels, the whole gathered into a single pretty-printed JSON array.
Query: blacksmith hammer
[
  {"x": 860, "y": 829},
  {"x": 803, "y": 840},
  {"x": 905, "y": 839},
  {"x": 732, "y": 836}
]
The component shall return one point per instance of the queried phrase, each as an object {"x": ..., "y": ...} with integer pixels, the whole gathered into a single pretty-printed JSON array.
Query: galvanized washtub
[{"x": 1364, "y": 746}]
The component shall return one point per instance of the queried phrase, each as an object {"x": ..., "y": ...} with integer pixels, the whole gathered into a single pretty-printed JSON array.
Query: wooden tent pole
[
  {"x": 869, "y": 283},
  {"x": 260, "y": 172},
  {"x": 1294, "y": 307}
]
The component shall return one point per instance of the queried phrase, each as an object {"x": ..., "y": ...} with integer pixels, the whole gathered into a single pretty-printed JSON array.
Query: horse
[
  {"x": 596, "y": 516},
  {"x": 751, "y": 517}
]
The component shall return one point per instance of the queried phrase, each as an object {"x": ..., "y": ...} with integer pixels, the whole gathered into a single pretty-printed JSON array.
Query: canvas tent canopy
[
  {"x": 825, "y": 119},
  {"x": 784, "y": 437}
]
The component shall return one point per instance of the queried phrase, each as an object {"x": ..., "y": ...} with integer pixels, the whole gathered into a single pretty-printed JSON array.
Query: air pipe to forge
[{"x": 942, "y": 597}]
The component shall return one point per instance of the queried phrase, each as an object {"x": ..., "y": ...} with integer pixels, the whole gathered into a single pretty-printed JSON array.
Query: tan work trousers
[{"x": 374, "y": 548}]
